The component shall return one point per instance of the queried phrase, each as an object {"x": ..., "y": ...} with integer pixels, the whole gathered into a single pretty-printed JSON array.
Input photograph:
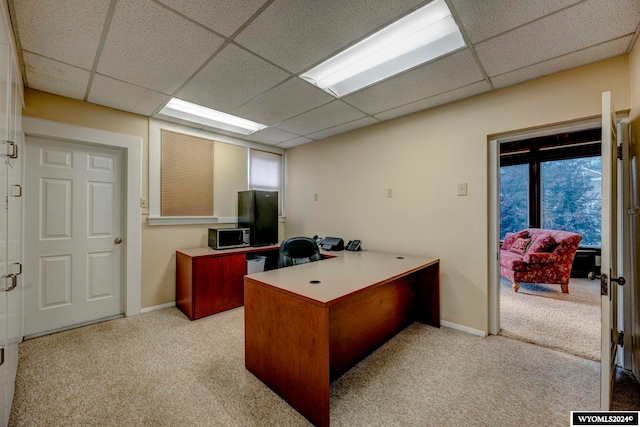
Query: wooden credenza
[{"x": 209, "y": 281}]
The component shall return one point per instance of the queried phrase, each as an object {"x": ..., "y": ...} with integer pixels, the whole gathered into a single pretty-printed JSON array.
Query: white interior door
[
  {"x": 5, "y": 269},
  {"x": 608, "y": 269},
  {"x": 14, "y": 241},
  {"x": 73, "y": 201}
]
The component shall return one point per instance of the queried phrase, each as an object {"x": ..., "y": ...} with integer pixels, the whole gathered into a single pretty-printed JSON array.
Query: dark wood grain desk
[
  {"x": 209, "y": 281},
  {"x": 301, "y": 335}
]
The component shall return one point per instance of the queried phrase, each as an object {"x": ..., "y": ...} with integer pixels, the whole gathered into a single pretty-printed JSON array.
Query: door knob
[
  {"x": 593, "y": 276},
  {"x": 620, "y": 280},
  {"x": 117, "y": 240}
]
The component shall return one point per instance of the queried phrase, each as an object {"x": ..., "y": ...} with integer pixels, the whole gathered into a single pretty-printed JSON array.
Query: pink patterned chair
[{"x": 536, "y": 255}]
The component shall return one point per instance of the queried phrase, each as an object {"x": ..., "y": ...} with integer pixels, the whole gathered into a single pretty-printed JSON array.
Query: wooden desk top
[
  {"x": 208, "y": 252},
  {"x": 346, "y": 274}
]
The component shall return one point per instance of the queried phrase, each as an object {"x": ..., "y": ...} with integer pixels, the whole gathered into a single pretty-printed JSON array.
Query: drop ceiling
[{"x": 245, "y": 57}]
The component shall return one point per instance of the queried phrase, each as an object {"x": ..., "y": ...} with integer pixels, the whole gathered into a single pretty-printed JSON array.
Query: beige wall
[
  {"x": 423, "y": 157},
  {"x": 159, "y": 243}
]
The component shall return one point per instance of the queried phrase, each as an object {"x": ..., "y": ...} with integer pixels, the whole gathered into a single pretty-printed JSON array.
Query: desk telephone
[
  {"x": 337, "y": 244},
  {"x": 354, "y": 245}
]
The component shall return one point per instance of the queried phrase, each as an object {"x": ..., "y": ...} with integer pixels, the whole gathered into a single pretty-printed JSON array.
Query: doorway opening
[{"x": 550, "y": 197}]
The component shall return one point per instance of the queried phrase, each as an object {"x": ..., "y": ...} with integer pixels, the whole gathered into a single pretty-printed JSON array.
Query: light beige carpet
[
  {"x": 160, "y": 369},
  {"x": 543, "y": 315}
]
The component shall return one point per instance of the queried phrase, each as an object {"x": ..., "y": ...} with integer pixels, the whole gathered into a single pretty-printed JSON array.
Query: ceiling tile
[
  {"x": 271, "y": 136},
  {"x": 454, "y": 95},
  {"x": 67, "y": 31},
  {"x": 559, "y": 34},
  {"x": 222, "y": 87},
  {"x": 124, "y": 96},
  {"x": 454, "y": 71},
  {"x": 333, "y": 114},
  {"x": 336, "y": 130},
  {"x": 299, "y": 34},
  {"x": 222, "y": 16},
  {"x": 484, "y": 19},
  {"x": 149, "y": 46},
  {"x": 55, "y": 77},
  {"x": 280, "y": 103},
  {"x": 294, "y": 142},
  {"x": 572, "y": 60}
]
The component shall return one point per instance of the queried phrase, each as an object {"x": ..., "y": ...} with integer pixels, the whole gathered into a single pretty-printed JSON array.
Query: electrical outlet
[
  {"x": 144, "y": 203},
  {"x": 462, "y": 189}
]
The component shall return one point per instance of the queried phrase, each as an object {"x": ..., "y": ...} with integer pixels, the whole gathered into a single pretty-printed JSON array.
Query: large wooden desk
[{"x": 299, "y": 335}]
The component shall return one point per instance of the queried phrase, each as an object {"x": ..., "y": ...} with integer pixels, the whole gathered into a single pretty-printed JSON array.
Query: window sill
[{"x": 191, "y": 220}]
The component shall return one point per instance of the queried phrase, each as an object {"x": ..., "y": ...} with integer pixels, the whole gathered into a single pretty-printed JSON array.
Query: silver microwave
[{"x": 226, "y": 238}]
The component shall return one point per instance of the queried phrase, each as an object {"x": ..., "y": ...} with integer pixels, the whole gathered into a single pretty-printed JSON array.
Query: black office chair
[{"x": 298, "y": 250}]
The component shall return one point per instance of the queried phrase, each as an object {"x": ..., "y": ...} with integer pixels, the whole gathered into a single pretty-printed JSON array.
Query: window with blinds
[
  {"x": 195, "y": 175},
  {"x": 265, "y": 173},
  {"x": 186, "y": 175}
]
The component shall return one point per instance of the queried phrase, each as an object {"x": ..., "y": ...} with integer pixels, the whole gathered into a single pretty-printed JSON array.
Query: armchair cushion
[
  {"x": 542, "y": 243},
  {"x": 510, "y": 238},
  {"x": 541, "y": 258},
  {"x": 520, "y": 246},
  {"x": 512, "y": 261}
]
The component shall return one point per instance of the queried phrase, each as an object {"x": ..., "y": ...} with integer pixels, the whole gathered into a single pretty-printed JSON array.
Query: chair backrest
[{"x": 298, "y": 250}]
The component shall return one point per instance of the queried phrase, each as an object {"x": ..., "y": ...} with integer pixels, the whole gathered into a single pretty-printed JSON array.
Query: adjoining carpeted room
[{"x": 543, "y": 315}]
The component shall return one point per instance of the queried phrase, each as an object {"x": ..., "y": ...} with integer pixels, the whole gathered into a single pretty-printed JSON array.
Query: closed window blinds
[
  {"x": 186, "y": 175},
  {"x": 265, "y": 173}
]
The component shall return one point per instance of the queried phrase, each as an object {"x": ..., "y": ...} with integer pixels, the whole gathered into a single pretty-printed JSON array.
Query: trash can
[{"x": 255, "y": 263}]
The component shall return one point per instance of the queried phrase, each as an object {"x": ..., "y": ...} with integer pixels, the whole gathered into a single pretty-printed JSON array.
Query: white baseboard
[
  {"x": 462, "y": 328},
  {"x": 158, "y": 307}
]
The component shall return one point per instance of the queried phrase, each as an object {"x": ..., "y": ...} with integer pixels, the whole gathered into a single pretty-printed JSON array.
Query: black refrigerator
[{"x": 258, "y": 211}]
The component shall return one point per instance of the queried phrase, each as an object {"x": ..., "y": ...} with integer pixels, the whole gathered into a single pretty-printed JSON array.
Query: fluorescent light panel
[
  {"x": 421, "y": 36},
  {"x": 206, "y": 116}
]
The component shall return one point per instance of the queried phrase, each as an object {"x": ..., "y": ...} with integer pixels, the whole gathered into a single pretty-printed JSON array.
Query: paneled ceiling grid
[{"x": 244, "y": 58}]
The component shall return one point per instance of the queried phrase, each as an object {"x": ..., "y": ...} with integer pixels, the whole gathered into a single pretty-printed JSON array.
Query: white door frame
[
  {"x": 494, "y": 201},
  {"x": 132, "y": 226}
]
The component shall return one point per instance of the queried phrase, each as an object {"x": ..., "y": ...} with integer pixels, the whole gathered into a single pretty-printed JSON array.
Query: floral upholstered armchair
[{"x": 536, "y": 255}]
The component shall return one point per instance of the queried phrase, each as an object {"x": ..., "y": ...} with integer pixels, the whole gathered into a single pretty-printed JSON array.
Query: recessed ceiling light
[
  {"x": 206, "y": 116},
  {"x": 421, "y": 36}
]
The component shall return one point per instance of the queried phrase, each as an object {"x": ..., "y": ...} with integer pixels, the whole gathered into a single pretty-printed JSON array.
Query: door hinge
[
  {"x": 14, "y": 150},
  {"x": 619, "y": 152},
  {"x": 19, "y": 187},
  {"x": 617, "y": 337},
  {"x": 1, "y": 356}
]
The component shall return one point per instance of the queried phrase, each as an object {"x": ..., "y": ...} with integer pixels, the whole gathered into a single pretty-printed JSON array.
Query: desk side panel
[
  {"x": 361, "y": 323},
  {"x": 427, "y": 291},
  {"x": 287, "y": 348},
  {"x": 184, "y": 284}
]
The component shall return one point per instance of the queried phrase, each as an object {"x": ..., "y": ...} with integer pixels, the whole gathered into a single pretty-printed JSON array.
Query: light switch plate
[
  {"x": 144, "y": 203},
  {"x": 462, "y": 189}
]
